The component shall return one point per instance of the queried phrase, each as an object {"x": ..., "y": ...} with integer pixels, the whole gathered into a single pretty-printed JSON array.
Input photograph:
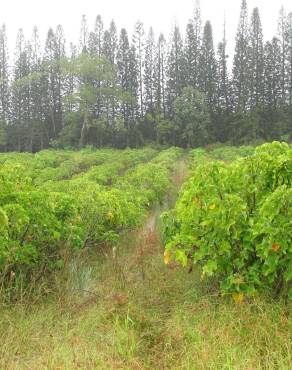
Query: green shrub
[
  {"x": 46, "y": 214},
  {"x": 235, "y": 221}
]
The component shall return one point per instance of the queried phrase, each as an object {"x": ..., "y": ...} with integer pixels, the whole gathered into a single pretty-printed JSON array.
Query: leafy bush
[
  {"x": 235, "y": 221},
  {"x": 44, "y": 219}
]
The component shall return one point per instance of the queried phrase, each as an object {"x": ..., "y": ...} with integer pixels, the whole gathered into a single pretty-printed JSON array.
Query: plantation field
[
  {"x": 146, "y": 259},
  {"x": 54, "y": 204}
]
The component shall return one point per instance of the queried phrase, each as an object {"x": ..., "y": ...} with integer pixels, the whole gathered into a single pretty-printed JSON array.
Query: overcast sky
[{"x": 161, "y": 14}]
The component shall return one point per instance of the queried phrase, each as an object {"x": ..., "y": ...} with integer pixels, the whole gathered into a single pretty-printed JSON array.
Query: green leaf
[
  {"x": 181, "y": 257},
  {"x": 3, "y": 219}
]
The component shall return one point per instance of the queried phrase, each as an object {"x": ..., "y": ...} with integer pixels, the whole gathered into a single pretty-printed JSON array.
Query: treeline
[{"x": 119, "y": 90}]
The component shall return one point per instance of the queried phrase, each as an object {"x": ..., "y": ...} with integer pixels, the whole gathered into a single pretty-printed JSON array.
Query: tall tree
[
  {"x": 289, "y": 56},
  {"x": 134, "y": 89},
  {"x": 272, "y": 73},
  {"x": 192, "y": 48},
  {"x": 37, "y": 94},
  {"x": 197, "y": 41},
  {"x": 88, "y": 70},
  {"x": 128, "y": 82},
  {"x": 110, "y": 43},
  {"x": 59, "y": 56},
  {"x": 95, "y": 47},
  {"x": 21, "y": 91},
  {"x": 160, "y": 77},
  {"x": 4, "y": 77},
  {"x": 272, "y": 88},
  {"x": 190, "y": 73},
  {"x": 54, "y": 53},
  {"x": 95, "y": 40},
  {"x": 149, "y": 73},
  {"x": 138, "y": 41},
  {"x": 256, "y": 60},
  {"x": 208, "y": 67},
  {"x": 282, "y": 33},
  {"x": 70, "y": 79},
  {"x": 123, "y": 61},
  {"x": 241, "y": 62},
  {"x": 175, "y": 67},
  {"x": 110, "y": 49},
  {"x": 223, "y": 88},
  {"x": 84, "y": 35}
]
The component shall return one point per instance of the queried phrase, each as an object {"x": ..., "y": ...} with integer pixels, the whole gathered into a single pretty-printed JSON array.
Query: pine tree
[
  {"x": 160, "y": 77},
  {"x": 282, "y": 33},
  {"x": 175, "y": 67},
  {"x": 4, "y": 78},
  {"x": 70, "y": 80},
  {"x": 21, "y": 88},
  {"x": 208, "y": 67},
  {"x": 240, "y": 63},
  {"x": 138, "y": 42},
  {"x": 84, "y": 36},
  {"x": 54, "y": 53},
  {"x": 128, "y": 82},
  {"x": 110, "y": 43},
  {"x": 21, "y": 91},
  {"x": 256, "y": 61},
  {"x": 289, "y": 56},
  {"x": 223, "y": 88},
  {"x": 149, "y": 73},
  {"x": 36, "y": 69},
  {"x": 190, "y": 75},
  {"x": 197, "y": 41},
  {"x": 95, "y": 47},
  {"x": 37, "y": 95},
  {"x": 272, "y": 73},
  {"x": 272, "y": 87},
  {"x": 192, "y": 49},
  {"x": 95, "y": 41},
  {"x": 59, "y": 56},
  {"x": 134, "y": 87}
]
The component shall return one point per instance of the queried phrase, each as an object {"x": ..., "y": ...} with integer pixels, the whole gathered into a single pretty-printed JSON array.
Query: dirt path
[{"x": 143, "y": 290}]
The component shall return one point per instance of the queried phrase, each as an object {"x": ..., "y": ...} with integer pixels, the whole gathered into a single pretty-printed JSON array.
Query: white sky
[{"x": 161, "y": 14}]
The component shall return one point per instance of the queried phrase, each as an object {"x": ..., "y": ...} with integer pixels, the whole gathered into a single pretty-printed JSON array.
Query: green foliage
[
  {"x": 3, "y": 219},
  {"x": 230, "y": 153},
  {"x": 57, "y": 202},
  {"x": 192, "y": 115},
  {"x": 235, "y": 221}
]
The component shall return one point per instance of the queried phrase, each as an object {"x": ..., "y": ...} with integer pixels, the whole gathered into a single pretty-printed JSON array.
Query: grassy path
[{"x": 132, "y": 312}]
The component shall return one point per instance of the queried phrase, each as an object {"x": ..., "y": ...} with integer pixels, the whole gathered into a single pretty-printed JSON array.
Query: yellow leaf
[
  {"x": 212, "y": 206},
  {"x": 110, "y": 215},
  {"x": 276, "y": 247},
  {"x": 238, "y": 297},
  {"x": 166, "y": 257}
]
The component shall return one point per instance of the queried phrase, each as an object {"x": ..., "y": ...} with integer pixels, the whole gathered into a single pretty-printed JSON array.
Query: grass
[{"x": 126, "y": 310}]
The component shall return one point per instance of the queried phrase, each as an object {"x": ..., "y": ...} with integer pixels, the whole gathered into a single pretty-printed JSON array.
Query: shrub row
[{"x": 235, "y": 222}]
